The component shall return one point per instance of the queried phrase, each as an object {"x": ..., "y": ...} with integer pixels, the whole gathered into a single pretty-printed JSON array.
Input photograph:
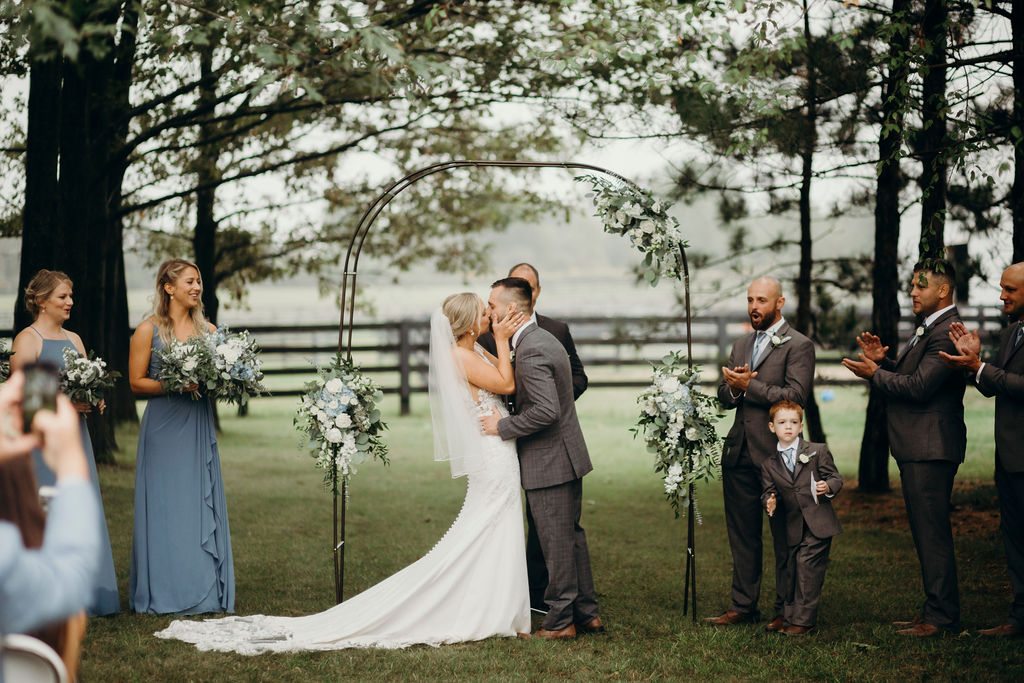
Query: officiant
[{"x": 537, "y": 571}]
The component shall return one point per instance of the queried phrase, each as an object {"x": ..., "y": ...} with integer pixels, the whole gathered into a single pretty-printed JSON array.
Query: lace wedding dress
[{"x": 472, "y": 585}]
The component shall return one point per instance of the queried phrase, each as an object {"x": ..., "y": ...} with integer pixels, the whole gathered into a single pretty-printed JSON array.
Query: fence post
[
  {"x": 722, "y": 322},
  {"x": 404, "y": 388}
]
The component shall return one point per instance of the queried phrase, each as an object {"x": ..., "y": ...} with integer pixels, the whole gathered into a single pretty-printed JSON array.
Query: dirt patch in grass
[{"x": 975, "y": 507}]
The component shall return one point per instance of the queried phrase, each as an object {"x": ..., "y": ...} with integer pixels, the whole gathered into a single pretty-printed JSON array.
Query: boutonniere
[
  {"x": 805, "y": 457},
  {"x": 778, "y": 341},
  {"x": 512, "y": 356},
  {"x": 919, "y": 331}
]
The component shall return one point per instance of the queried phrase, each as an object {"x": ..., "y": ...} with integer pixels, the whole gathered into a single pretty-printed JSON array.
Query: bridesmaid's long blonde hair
[{"x": 168, "y": 274}]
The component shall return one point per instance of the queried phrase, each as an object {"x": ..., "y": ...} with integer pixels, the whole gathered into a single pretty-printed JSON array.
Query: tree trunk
[
  {"x": 204, "y": 238},
  {"x": 1017, "y": 192},
  {"x": 873, "y": 470},
  {"x": 815, "y": 429},
  {"x": 41, "y": 238},
  {"x": 934, "y": 141}
]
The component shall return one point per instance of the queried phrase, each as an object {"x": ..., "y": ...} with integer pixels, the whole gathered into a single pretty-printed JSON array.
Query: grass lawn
[{"x": 281, "y": 536}]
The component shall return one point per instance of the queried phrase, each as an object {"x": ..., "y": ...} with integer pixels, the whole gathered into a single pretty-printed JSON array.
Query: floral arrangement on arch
[
  {"x": 339, "y": 416},
  {"x": 635, "y": 214},
  {"x": 677, "y": 422},
  {"x": 85, "y": 379}
]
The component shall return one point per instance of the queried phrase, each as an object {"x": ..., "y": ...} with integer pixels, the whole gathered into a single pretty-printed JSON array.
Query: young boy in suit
[{"x": 799, "y": 483}]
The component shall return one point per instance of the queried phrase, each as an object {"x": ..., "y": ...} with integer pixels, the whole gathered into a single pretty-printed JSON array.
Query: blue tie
[
  {"x": 1018, "y": 335},
  {"x": 787, "y": 457},
  {"x": 758, "y": 348}
]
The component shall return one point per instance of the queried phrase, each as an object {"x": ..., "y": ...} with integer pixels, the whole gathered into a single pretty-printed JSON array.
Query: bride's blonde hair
[{"x": 462, "y": 311}]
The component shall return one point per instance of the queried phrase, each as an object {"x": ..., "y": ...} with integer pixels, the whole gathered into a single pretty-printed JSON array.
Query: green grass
[{"x": 281, "y": 535}]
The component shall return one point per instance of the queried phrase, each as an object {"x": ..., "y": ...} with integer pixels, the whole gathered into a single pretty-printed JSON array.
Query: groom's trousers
[{"x": 570, "y": 595}]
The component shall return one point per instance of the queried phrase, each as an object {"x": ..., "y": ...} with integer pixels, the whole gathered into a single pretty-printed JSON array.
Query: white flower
[
  {"x": 335, "y": 386},
  {"x": 333, "y": 435},
  {"x": 189, "y": 364},
  {"x": 806, "y": 457},
  {"x": 675, "y": 470},
  {"x": 670, "y": 385},
  {"x": 647, "y": 226},
  {"x": 692, "y": 434},
  {"x": 230, "y": 352},
  {"x": 343, "y": 421},
  {"x": 778, "y": 341},
  {"x": 919, "y": 331}
]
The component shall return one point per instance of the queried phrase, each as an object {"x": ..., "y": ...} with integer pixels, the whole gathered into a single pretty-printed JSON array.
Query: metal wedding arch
[{"x": 348, "y": 292}]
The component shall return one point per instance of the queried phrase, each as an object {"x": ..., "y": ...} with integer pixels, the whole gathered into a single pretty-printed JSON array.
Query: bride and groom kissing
[{"x": 473, "y": 584}]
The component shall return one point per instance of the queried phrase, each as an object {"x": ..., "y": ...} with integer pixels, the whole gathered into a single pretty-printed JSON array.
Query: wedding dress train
[{"x": 472, "y": 585}]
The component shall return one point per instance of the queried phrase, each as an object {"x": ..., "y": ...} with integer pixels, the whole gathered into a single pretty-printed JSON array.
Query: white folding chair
[{"x": 30, "y": 660}]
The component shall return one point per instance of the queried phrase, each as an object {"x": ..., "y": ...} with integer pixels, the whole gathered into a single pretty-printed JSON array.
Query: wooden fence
[{"x": 616, "y": 351}]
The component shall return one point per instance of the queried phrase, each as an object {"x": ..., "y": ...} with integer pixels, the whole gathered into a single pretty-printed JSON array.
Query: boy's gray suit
[{"x": 553, "y": 459}]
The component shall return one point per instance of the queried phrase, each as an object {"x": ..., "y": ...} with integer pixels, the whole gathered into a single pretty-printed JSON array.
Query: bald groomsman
[
  {"x": 535, "y": 567},
  {"x": 773, "y": 363},
  {"x": 927, "y": 437},
  {"x": 1003, "y": 378}
]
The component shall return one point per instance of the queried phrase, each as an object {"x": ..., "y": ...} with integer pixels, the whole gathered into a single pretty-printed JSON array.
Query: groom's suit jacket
[
  {"x": 925, "y": 398},
  {"x": 793, "y": 491},
  {"x": 547, "y": 432},
  {"x": 783, "y": 372},
  {"x": 1004, "y": 379}
]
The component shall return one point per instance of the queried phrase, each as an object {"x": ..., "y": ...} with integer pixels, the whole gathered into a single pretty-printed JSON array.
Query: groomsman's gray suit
[
  {"x": 928, "y": 438},
  {"x": 1004, "y": 379},
  {"x": 553, "y": 459},
  {"x": 783, "y": 372},
  {"x": 810, "y": 525}
]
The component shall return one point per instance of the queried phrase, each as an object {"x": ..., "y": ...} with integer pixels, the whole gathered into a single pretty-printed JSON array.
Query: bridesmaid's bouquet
[
  {"x": 239, "y": 369},
  {"x": 677, "y": 422},
  {"x": 187, "y": 367},
  {"x": 339, "y": 417},
  {"x": 85, "y": 379},
  {"x": 5, "y": 361}
]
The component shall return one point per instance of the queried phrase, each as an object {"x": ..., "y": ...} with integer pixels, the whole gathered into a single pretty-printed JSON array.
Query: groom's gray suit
[{"x": 552, "y": 460}]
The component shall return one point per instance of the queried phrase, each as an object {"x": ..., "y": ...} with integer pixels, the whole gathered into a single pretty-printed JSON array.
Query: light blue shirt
[{"x": 42, "y": 585}]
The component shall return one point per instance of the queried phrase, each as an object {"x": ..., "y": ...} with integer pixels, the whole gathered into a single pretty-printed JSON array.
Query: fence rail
[{"x": 615, "y": 350}]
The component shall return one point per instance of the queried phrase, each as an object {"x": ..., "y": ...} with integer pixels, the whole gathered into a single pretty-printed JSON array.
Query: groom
[{"x": 552, "y": 461}]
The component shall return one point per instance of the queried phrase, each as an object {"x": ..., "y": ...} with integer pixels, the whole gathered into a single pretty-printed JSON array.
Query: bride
[{"x": 472, "y": 584}]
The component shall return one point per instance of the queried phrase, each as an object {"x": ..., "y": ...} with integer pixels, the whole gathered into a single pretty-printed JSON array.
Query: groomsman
[
  {"x": 1004, "y": 379},
  {"x": 535, "y": 568},
  {"x": 927, "y": 437},
  {"x": 773, "y": 363}
]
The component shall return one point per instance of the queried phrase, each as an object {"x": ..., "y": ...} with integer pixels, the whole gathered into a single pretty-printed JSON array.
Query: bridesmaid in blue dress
[
  {"x": 181, "y": 545},
  {"x": 48, "y": 299}
]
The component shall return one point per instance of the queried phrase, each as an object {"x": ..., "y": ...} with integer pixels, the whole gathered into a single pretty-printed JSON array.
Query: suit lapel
[
  {"x": 768, "y": 346},
  {"x": 1008, "y": 350},
  {"x": 928, "y": 330}
]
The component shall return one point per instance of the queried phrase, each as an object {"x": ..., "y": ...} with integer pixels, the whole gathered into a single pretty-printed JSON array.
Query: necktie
[
  {"x": 787, "y": 457},
  {"x": 1018, "y": 335},
  {"x": 758, "y": 348}
]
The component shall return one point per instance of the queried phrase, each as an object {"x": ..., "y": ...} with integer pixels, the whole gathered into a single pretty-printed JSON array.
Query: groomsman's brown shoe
[
  {"x": 796, "y": 631},
  {"x": 1007, "y": 630},
  {"x": 567, "y": 633},
  {"x": 922, "y": 630},
  {"x": 595, "y": 625},
  {"x": 728, "y": 618},
  {"x": 776, "y": 624},
  {"x": 907, "y": 624}
]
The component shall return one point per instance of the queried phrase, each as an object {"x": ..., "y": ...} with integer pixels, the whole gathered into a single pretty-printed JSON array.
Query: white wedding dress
[{"x": 472, "y": 585}]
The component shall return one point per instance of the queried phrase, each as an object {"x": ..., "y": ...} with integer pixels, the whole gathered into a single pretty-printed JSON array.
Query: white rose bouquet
[
  {"x": 187, "y": 366},
  {"x": 239, "y": 368},
  {"x": 85, "y": 379},
  {"x": 339, "y": 417},
  {"x": 677, "y": 423}
]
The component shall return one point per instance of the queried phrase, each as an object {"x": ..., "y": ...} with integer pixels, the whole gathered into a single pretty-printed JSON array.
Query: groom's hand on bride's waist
[{"x": 489, "y": 423}]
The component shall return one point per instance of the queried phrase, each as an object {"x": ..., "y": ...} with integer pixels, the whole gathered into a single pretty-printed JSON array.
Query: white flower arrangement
[
  {"x": 86, "y": 379},
  {"x": 778, "y": 341},
  {"x": 339, "y": 417},
  {"x": 187, "y": 366},
  {"x": 5, "y": 361},
  {"x": 633, "y": 213},
  {"x": 677, "y": 423},
  {"x": 239, "y": 369}
]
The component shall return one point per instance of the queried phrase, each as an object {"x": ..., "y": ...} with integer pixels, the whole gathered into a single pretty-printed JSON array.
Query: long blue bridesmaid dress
[
  {"x": 181, "y": 545},
  {"x": 104, "y": 599}
]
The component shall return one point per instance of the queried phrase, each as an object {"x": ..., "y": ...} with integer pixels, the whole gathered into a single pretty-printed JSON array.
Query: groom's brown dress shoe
[
  {"x": 922, "y": 630},
  {"x": 776, "y": 624},
  {"x": 907, "y": 624},
  {"x": 796, "y": 631},
  {"x": 728, "y": 618},
  {"x": 1006, "y": 630},
  {"x": 566, "y": 633},
  {"x": 595, "y": 625}
]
